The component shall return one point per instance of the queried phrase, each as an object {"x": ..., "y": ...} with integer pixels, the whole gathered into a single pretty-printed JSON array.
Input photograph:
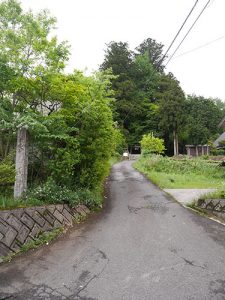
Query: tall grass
[{"x": 186, "y": 173}]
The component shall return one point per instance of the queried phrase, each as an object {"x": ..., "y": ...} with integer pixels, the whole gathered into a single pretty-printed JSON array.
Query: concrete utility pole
[
  {"x": 175, "y": 143},
  {"x": 20, "y": 186}
]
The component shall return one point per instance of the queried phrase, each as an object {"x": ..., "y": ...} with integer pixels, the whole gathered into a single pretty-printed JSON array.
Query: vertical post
[
  {"x": 20, "y": 186},
  {"x": 196, "y": 148},
  {"x": 177, "y": 146},
  {"x": 188, "y": 151},
  {"x": 174, "y": 143}
]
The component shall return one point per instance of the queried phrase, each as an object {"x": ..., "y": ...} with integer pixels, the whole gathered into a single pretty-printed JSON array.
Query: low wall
[
  {"x": 22, "y": 225},
  {"x": 214, "y": 206}
]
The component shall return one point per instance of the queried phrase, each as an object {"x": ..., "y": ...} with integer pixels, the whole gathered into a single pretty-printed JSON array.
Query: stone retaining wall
[
  {"x": 215, "y": 206},
  {"x": 22, "y": 225}
]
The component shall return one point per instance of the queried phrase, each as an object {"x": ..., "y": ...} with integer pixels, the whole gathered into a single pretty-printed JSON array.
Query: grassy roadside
[{"x": 171, "y": 173}]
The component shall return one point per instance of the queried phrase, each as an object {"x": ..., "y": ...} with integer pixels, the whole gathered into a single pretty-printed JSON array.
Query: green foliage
[
  {"x": 7, "y": 174},
  {"x": 151, "y": 144},
  {"x": 171, "y": 104},
  {"x": 51, "y": 193},
  {"x": 185, "y": 173},
  {"x": 93, "y": 136},
  {"x": 134, "y": 86},
  {"x": 154, "y": 52},
  {"x": 219, "y": 194},
  {"x": 7, "y": 202},
  {"x": 203, "y": 117}
]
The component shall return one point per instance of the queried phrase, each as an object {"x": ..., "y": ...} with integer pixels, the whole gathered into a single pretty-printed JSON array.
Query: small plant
[
  {"x": 51, "y": 193},
  {"x": 42, "y": 239}
]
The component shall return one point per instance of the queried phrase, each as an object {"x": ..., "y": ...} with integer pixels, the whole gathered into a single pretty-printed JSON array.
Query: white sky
[{"x": 89, "y": 25}]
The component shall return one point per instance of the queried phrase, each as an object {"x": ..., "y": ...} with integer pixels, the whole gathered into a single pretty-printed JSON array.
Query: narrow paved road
[{"x": 143, "y": 245}]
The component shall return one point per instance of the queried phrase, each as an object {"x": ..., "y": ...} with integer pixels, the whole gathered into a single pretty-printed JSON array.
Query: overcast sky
[{"x": 89, "y": 25}]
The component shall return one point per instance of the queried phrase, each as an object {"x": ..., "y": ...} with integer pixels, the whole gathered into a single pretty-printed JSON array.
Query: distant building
[
  {"x": 134, "y": 149},
  {"x": 197, "y": 150}
]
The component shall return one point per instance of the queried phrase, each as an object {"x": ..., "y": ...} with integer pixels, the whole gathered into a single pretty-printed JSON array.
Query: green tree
[
  {"x": 154, "y": 51},
  {"x": 203, "y": 117},
  {"x": 27, "y": 53},
  {"x": 86, "y": 110},
  {"x": 134, "y": 86},
  {"x": 171, "y": 100}
]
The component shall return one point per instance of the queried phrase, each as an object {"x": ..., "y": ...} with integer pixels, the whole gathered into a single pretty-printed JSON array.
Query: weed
[
  {"x": 186, "y": 173},
  {"x": 42, "y": 239}
]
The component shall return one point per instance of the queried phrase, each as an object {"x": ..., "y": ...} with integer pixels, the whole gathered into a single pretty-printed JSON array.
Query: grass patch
[
  {"x": 219, "y": 194},
  {"x": 42, "y": 239},
  {"x": 187, "y": 173},
  {"x": 10, "y": 203}
]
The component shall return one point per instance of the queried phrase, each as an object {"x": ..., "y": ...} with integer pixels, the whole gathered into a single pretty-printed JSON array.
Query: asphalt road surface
[{"x": 143, "y": 245}]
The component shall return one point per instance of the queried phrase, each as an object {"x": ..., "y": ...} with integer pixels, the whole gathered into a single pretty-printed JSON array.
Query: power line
[
  {"x": 188, "y": 32},
  {"x": 202, "y": 46},
  {"x": 179, "y": 30}
]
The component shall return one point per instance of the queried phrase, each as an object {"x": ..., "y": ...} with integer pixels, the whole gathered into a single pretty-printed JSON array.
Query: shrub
[
  {"x": 151, "y": 144},
  {"x": 7, "y": 174},
  {"x": 51, "y": 193}
]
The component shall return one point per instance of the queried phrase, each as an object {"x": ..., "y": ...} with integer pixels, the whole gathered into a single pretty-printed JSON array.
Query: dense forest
[
  {"x": 150, "y": 100},
  {"x": 70, "y": 125}
]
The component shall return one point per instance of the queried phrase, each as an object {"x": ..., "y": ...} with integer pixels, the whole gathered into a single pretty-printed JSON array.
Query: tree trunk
[{"x": 20, "y": 186}]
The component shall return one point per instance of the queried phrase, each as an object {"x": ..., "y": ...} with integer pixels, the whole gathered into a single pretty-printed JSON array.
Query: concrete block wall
[
  {"x": 215, "y": 206},
  {"x": 22, "y": 225}
]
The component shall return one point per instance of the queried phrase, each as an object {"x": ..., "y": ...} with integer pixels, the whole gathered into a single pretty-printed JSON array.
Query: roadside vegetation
[
  {"x": 63, "y": 122},
  {"x": 173, "y": 172},
  {"x": 73, "y": 127}
]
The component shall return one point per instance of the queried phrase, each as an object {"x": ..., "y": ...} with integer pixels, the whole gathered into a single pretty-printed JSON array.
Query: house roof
[{"x": 219, "y": 139}]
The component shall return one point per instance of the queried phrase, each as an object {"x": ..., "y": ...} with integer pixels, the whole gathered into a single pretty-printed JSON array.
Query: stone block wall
[
  {"x": 215, "y": 206},
  {"x": 22, "y": 225}
]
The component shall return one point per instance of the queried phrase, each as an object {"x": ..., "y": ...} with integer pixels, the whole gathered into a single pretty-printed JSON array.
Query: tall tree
[
  {"x": 30, "y": 54},
  {"x": 134, "y": 87},
  {"x": 154, "y": 51},
  {"x": 171, "y": 101}
]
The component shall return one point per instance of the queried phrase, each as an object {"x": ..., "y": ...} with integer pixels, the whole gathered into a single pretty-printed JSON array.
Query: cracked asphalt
[{"x": 143, "y": 245}]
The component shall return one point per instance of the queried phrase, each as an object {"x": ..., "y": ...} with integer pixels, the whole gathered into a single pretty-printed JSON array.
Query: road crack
[{"x": 191, "y": 263}]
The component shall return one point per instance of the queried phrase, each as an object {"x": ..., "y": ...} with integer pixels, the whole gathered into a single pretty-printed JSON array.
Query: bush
[
  {"x": 51, "y": 193},
  {"x": 7, "y": 174},
  {"x": 151, "y": 144}
]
